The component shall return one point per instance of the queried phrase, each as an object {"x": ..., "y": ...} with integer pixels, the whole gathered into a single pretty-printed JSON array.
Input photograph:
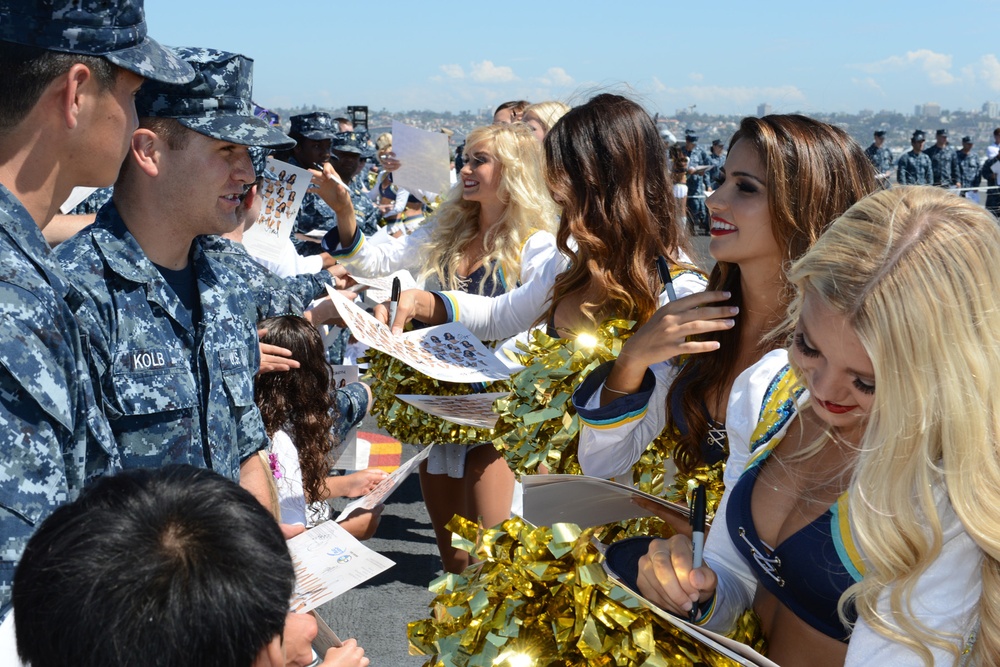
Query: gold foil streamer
[
  {"x": 650, "y": 467},
  {"x": 537, "y": 424},
  {"x": 389, "y": 376},
  {"x": 540, "y": 597}
]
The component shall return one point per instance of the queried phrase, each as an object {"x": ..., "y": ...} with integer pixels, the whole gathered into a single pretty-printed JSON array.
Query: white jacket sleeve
[
  {"x": 613, "y": 437},
  {"x": 506, "y": 315},
  {"x": 373, "y": 260},
  {"x": 945, "y": 600}
]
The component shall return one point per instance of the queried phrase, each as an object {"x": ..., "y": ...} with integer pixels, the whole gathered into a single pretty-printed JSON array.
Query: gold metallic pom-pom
[
  {"x": 540, "y": 597},
  {"x": 389, "y": 376}
]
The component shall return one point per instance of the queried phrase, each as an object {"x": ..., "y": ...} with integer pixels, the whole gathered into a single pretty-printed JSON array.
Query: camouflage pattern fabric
[
  {"x": 968, "y": 170},
  {"x": 350, "y": 406},
  {"x": 53, "y": 436},
  {"x": 314, "y": 213},
  {"x": 258, "y": 157},
  {"x": 216, "y": 103},
  {"x": 316, "y": 126},
  {"x": 350, "y": 142},
  {"x": 94, "y": 202},
  {"x": 697, "y": 210},
  {"x": 172, "y": 393},
  {"x": 366, "y": 213},
  {"x": 714, "y": 175},
  {"x": 944, "y": 164},
  {"x": 914, "y": 168},
  {"x": 881, "y": 158},
  {"x": 273, "y": 295},
  {"x": 114, "y": 30}
]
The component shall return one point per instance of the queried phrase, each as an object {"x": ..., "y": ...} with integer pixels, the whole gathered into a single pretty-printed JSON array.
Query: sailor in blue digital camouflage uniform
[
  {"x": 944, "y": 162},
  {"x": 273, "y": 295},
  {"x": 717, "y": 159},
  {"x": 697, "y": 159},
  {"x": 173, "y": 339},
  {"x": 969, "y": 165},
  {"x": 914, "y": 167},
  {"x": 880, "y": 156},
  {"x": 65, "y": 118},
  {"x": 313, "y": 133},
  {"x": 351, "y": 152}
]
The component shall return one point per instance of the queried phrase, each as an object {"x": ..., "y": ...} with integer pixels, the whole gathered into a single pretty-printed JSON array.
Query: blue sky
[{"x": 725, "y": 57}]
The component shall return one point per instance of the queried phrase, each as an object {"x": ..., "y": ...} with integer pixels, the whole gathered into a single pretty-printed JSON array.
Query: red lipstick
[{"x": 836, "y": 408}]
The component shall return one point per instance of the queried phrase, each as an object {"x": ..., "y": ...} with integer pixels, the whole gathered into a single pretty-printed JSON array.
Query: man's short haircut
[
  {"x": 170, "y": 567},
  {"x": 176, "y": 135},
  {"x": 28, "y": 70},
  {"x": 173, "y": 133}
]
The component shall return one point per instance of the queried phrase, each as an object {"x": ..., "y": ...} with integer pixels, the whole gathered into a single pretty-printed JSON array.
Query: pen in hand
[
  {"x": 394, "y": 300},
  {"x": 697, "y": 537},
  {"x": 664, "y": 269}
]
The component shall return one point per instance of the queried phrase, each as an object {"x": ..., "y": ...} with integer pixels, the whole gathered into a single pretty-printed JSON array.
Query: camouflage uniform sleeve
[
  {"x": 307, "y": 287},
  {"x": 49, "y": 422},
  {"x": 314, "y": 213},
  {"x": 32, "y": 476},
  {"x": 251, "y": 435},
  {"x": 351, "y": 405}
]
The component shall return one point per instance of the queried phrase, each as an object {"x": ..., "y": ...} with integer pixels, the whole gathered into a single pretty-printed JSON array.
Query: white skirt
[{"x": 449, "y": 459}]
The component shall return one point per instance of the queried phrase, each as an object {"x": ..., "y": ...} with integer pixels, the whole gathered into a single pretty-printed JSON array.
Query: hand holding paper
[{"x": 448, "y": 352}]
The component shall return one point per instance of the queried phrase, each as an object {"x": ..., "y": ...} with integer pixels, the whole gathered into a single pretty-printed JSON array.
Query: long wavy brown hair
[
  {"x": 814, "y": 172},
  {"x": 606, "y": 166},
  {"x": 300, "y": 401}
]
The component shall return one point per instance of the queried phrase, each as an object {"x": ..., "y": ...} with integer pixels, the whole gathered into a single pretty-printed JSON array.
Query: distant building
[
  {"x": 763, "y": 109},
  {"x": 991, "y": 110},
  {"x": 927, "y": 110}
]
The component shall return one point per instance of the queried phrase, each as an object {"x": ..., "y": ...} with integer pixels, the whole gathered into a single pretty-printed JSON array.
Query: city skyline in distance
[{"x": 723, "y": 60}]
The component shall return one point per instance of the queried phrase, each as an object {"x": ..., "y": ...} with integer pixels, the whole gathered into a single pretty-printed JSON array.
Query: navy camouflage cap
[
  {"x": 316, "y": 126},
  {"x": 111, "y": 29},
  {"x": 367, "y": 147},
  {"x": 258, "y": 156},
  {"x": 349, "y": 142},
  {"x": 216, "y": 103},
  {"x": 918, "y": 135}
]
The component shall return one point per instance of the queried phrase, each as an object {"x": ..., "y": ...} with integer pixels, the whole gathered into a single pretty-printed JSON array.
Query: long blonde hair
[
  {"x": 546, "y": 113},
  {"x": 527, "y": 208},
  {"x": 916, "y": 271}
]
